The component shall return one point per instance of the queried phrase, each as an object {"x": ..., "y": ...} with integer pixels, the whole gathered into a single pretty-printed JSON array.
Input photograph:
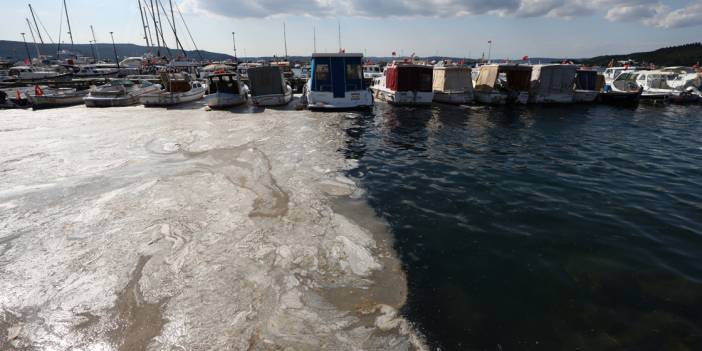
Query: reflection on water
[{"x": 552, "y": 228}]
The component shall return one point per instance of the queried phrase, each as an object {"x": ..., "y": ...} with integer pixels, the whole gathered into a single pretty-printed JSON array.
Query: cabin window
[
  {"x": 321, "y": 72},
  {"x": 354, "y": 71}
]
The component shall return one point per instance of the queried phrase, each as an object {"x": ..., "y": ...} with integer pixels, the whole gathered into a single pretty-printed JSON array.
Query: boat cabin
[
  {"x": 503, "y": 77},
  {"x": 337, "y": 73},
  {"x": 452, "y": 79},
  {"x": 223, "y": 83},
  {"x": 266, "y": 80},
  {"x": 409, "y": 77}
]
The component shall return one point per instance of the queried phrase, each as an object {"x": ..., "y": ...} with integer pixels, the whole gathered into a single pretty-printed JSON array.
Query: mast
[
  {"x": 159, "y": 32},
  {"x": 159, "y": 24},
  {"x": 34, "y": 40},
  {"x": 314, "y": 31},
  {"x": 97, "y": 49},
  {"x": 285, "y": 42},
  {"x": 189, "y": 34},
  {"x": 26, "y": 47},
  {"x": 153, "y": 18},
  {"x": 143, "y": 25},
  {"x": 58, "y": 47},
  {"x": 68, "y": 21},
  {"x": 148, "y": 25},
  {"x": 179, "y": 45},
  {"x": 234, "y": 40},
  {"x": 339, "y": 23},
  {"x": 35, "y": 23},
  {"x": 170, "y": 2}
]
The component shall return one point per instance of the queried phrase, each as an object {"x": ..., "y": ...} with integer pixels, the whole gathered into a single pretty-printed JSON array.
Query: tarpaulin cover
[
  {"x": 331, "y": 74},
  {"x": 486, "y": 78},
  {"x": 266, "y": 80},
  {"x": 586, "y": 80},
  {"x": 409, "y": 78},
  {"x": 452, "y": 79},
  {"x": 552, "y": 79}
]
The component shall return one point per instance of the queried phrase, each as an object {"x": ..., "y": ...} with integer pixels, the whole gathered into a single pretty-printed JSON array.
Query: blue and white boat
[{"x": 336, "y": 82}]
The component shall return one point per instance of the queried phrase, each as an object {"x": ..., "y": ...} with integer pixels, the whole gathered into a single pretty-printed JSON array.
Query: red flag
[
  {"x": 525, "y": 58},
  {"x": 26, "y": 61},
  {"x": 38, "y": 91},
  {"x": 19, "y": 96}
]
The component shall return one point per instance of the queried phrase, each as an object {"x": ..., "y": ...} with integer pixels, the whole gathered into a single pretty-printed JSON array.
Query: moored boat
[
  {"x": 452, "y": 84},
  {"x": 588, "y": 85},
  {"x": 56, "y": 97},
  {"x": 119, "y": 93},
  {"x": 500, "y": 84},
  {"x": 225, "y": 90},
  {"x": 405, "y": 83},
  {"x": 267, "y": 86},
  {"x": 552, "y": 84},
  {"x": 177, "y": 89},
  {"x": 336, "y": 82}
]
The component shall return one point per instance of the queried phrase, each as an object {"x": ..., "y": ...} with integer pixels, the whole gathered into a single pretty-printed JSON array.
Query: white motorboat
[
  {"x": 500, "y": 84},
  {"x": 405, "y": 83},
  {"x": 372, "y": 71},
  {"x": 552, "y": 84},
  {"x": 652, "y": 86},
  {"x": 48, "y": 98},
  {"x": 32, "y": 73},
  {"x": 612, "y": 73},
  {"x": 337, "y": 82},
  {"x": 225, "y": 90},
  {"x": 268, "y": 87},
  {"x": 177, "y": 89},
  {"x": 452, "y": 84},
  {"x": 119, "y": 93},
  {"x": 681, "y": 78},
  {"x": 86, "y": 71}
]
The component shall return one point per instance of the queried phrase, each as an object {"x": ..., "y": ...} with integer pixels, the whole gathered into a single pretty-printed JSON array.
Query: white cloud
[{"x": 649, "y": 12}]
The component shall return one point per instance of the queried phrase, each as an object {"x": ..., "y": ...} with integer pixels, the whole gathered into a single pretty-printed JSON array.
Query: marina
[{"x": 159, "y": 196}]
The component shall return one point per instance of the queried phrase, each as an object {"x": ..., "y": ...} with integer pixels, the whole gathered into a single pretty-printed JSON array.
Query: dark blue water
[{"x": 547, "y": 228}]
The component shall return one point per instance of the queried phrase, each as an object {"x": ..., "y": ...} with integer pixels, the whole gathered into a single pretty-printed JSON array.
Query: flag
[
  {"x": 38, "y": 91},
  {"x": 26, "y": 61},
  {"x": 525, "y": 58},
  {"x": 19, "y": 96}
]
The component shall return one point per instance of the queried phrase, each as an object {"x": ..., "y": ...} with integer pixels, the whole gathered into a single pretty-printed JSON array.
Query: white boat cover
[
  {"x": 452, "y": 78},
  {"x": 552, "y": 79}
]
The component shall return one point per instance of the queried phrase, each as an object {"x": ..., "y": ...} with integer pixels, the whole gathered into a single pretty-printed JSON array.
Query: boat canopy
[
  {"x": 516, "y": 77},
  {"x": 552, "y": 79},
  {"x": 337, "y": 73},
  {"x": 452, "y": 78},
  {"x": 267, "y": 80},
  {"x": 586, "y": 80},
  {"x": 409, "y": 77},
  {"x": 223, "y": 83}
]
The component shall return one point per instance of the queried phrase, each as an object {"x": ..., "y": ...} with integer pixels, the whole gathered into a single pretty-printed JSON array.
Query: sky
[{"x": 457, "y": 28}]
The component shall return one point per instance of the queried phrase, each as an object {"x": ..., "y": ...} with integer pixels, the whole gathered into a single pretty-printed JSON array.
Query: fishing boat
[
  {"x": 500, "y": 84},
  {"x": 552, "y": 84},
  {"x": 29, "y": 73},
  {"x": 452, "y": 84},
  {"x": 267, "y": 86},
  {"x": 177, "y": 89},
  {"x": 588, "y": 85},
  {"x": 336, "y": 82},
  {"x": 56, "y": 97},
  {"x": 119, "y": 92},
  {"x": 225, "y": 90},
  {"x": 405, "y": 83}
]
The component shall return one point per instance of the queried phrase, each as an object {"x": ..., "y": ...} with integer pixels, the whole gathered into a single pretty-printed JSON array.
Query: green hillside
[{"x": 682, "y": 55}]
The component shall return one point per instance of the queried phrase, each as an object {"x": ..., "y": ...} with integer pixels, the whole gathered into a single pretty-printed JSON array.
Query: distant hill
[
  {"x": 682, "y": 55},
  {"x": 17, "y": 50}
]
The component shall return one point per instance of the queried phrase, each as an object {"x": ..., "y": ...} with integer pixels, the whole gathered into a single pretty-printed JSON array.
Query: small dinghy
[
  {"x": 56, "y": 97},
  {"x": 225, "y": 90},
  {"x": 268, "y": 87},
  {"x": 119, "y": 93},
  {"x": 177, "y": 89}
]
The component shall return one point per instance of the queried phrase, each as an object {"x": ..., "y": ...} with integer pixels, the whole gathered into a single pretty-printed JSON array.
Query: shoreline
[{"x": 145, "y": 228}]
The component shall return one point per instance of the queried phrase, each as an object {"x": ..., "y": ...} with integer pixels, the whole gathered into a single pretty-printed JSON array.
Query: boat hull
[
  {"x": 170, "y": 99},
  {"x": 457, "y": 98},
  {"x": 558, "y": 98},
  {"x": 222, "y": 100},
  {"x": 359, "y": 99},
  {"x": 272, "y": 100},
  {"x": 120, "y": 101},
  {"x": 585, "y": 96},
  {"x": 494, "y": 97},
  {"x": 41, "y": 102},
  {"x": 406, "y": 98},
  {"x": 620, "y": 98}
]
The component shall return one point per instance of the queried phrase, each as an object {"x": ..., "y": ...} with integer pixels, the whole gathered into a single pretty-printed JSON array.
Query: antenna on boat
[
  {"x": 34, "y": 40},
  {"x": 285, "y": 42},
  {"x": 143, "y": 24},
  {"x": 234, "y": 40},
  {"x": 339, "y": 23},
  {"x": 97, "y": 50},
  {"x": 68, "y": 21},
  {"x": 35, "y": 23},
  {"x": 314, "y": 31}
]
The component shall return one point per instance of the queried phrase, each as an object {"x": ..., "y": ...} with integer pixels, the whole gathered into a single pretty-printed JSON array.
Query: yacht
[
  {"x": 452, "y": 84},
  {"x": 177, "y": 89},
  {"x": 119, "y": 92},
  {"x": 500, "y": 84},
  {"x": 405, "y": 83},
  {"x": 225, "y": 90},
  {"x": 336, "y": 82},
  {"x": 268, "y": 87}
]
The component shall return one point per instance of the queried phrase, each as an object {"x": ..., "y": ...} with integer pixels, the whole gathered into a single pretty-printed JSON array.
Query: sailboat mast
[
  {"x": 34, "y": 40},
  {"x": 234, "y": 40},
  {"x": 158, "y": 40},
  {"x": 339, "y": 23},
  {"x": 159, "y": 24},
  {"x": 314, "y": 32},
  {"x": 68, "y": 21},
  {"x": 97, "y": 49},
  {"x": 170, "y": 3},
  {"x": 179, "y": 45},
  {"x": 143, "y": 25},
  {"x": 35, "y": 23},
  {"x": 285, "y": 42}
]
